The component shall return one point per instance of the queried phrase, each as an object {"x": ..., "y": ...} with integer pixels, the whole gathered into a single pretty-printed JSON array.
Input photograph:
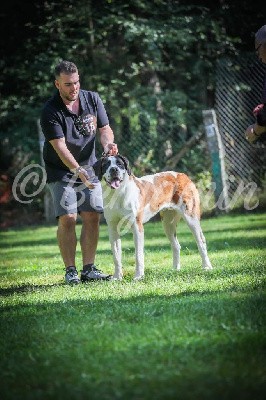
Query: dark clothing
[
  {"x": 261, "y": 116},
  {"x": 58, "y": 121},
  {"x": 264, "y": 91}
]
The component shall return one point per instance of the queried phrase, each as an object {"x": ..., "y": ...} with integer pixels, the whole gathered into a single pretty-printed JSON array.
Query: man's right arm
[{"x": 67, "y": 158}]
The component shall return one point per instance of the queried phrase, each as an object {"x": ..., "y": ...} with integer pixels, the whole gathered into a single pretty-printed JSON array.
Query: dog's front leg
[
  {"x": 138, "y": 233},
  {"x": 116, "y": 250}
]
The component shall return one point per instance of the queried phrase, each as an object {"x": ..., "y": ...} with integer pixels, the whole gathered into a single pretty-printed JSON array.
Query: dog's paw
[
  {"x": 138, "y": 277},
  {"x": 117, "y": 277},
  {"x": 207, "y": 267}
]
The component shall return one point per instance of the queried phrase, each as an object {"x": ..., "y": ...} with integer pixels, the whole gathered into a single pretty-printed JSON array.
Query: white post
[{"x": 217, "y": 156}]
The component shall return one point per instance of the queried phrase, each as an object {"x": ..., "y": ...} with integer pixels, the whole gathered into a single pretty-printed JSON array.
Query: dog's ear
[
  {"x": 126, "y": 164},
  {"x": 98, "y": 168}
]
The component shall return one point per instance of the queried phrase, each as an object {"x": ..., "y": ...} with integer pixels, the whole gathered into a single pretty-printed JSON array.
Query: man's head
[
  {"x": 260, "y": 43},
  {"x": 67, "y": 81}
]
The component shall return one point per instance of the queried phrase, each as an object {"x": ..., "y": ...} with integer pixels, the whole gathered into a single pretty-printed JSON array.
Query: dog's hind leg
[
  {"x": 116, "y": 250},
  {"x": 170, "y": 219},
  {"x": 138, "y": 234},
  {"x": 194, "y": 225}
]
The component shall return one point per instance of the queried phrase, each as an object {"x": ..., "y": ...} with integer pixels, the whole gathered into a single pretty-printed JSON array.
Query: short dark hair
[{"x": 65, "y": 67}]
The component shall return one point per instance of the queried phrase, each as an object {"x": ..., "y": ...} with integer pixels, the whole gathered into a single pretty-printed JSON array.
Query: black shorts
[{"x": 72, "y": 198}]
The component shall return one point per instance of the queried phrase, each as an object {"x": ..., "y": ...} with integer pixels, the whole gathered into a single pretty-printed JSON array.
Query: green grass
[{"x": 186, "y": 335}]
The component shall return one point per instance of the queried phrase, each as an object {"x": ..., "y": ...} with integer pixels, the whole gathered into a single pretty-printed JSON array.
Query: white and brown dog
[{"x": 130, "y": 202}]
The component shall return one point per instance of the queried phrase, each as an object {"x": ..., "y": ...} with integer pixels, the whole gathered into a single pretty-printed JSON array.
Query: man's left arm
[{"x": 107, "y": 140}]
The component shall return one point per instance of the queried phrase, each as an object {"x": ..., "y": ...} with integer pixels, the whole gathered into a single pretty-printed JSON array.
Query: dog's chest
[{"x": 122, "y": 202}]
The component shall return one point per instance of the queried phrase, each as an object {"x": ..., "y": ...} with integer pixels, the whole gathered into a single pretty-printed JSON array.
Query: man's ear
[
  {"x": 126, "y": 164},
  {"x": 98, "y": 169}
]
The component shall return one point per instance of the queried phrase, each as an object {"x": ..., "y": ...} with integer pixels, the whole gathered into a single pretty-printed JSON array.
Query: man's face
[
  {"x": 260, "y": 49},
  {"x": 68, "y": 86}
]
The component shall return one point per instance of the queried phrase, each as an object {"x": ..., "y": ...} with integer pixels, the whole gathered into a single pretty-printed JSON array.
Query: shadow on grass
[
  {"x": 243, "y": 227},
  {"x": 15, "y": 254},
  {"x": 5, "y": 243},
  {"x": 143, "y": 347},
  {"x": 183, "y": 232},
  {"x": 187, "y": 240},
  {"x": 10, "y": 291}
]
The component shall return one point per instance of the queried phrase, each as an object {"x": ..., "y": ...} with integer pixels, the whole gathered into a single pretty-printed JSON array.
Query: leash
[{"x": 104, "y": 154}]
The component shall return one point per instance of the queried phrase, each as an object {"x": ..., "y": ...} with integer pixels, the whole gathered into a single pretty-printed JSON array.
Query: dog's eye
[
  {"x": 120, "y": 164},
  {"x": 106, "y": 163}
]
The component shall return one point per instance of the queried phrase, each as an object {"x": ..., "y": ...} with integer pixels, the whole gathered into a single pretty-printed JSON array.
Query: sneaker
[
  {"x": 71, "y": 276},
  {"x": 94, "y": 274}
]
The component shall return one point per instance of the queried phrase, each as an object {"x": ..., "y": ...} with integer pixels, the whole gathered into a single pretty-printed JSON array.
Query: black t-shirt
[{"x": 79, "y": 132}]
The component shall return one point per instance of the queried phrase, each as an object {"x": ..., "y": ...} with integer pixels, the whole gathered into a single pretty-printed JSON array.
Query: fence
[
  {"x": 160, "y": 140},
  {"x": 154, "y": 140},
  {"x": 239, "y": 86},
  {"x": 165, "y": 135}
]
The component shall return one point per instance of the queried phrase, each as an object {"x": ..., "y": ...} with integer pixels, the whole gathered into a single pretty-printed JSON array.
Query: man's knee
[{"x": 67, "y": 221}]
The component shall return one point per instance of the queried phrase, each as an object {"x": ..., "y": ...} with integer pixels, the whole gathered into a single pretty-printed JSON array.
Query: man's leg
[
  {"x": 89, "y": 236},
  {"x": 88, "y": 242},
  {"x": 66, "y": 236},
  {"x": 90, "y": 211}
]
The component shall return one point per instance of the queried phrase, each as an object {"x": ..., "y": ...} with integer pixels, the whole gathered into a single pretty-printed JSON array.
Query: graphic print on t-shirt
[{"x": 86, "y": 124}]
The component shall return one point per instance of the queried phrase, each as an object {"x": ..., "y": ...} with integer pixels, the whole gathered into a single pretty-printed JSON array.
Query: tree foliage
[{"x": 151, "y": 61}]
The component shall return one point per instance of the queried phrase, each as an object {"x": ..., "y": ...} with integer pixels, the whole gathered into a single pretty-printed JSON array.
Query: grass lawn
[{"x": 186, "y": 335}]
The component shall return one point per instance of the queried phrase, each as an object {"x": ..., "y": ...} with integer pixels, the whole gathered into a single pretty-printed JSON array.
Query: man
[
  {"x": 69, "y": 121},
  {"x": 257, "y": 131}
]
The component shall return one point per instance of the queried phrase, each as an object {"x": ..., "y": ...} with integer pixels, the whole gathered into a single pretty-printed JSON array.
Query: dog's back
[{"x": 167, "y": 190}]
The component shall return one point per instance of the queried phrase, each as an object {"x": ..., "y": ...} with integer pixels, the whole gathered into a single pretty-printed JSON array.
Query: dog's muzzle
[{"x": 114, "y": 179}]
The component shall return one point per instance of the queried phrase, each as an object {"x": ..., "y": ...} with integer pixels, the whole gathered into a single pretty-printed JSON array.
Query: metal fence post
[{"x": 217, "y": 157}]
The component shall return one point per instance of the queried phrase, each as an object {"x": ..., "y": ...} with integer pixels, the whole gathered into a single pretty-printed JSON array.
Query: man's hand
[
  {"x": 83, "y": 175},
  {"x": 257, "y": 109},
  {"x": 253, "y": 132},
  {"x": 111, "y": 149}
]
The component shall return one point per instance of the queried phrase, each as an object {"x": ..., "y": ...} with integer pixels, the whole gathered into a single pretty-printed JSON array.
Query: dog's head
[{"x": 112, "y": 169}]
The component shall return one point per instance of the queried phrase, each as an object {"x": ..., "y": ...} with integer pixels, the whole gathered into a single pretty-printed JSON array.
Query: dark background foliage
[{"x": 153, "y": 63}]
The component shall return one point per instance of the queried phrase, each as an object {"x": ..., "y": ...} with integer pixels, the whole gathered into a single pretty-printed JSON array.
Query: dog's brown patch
[
  {"x": 186, "y": 191},
  {"x": 167, "y": 188},
  {"x": 146, "y": 193}
]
